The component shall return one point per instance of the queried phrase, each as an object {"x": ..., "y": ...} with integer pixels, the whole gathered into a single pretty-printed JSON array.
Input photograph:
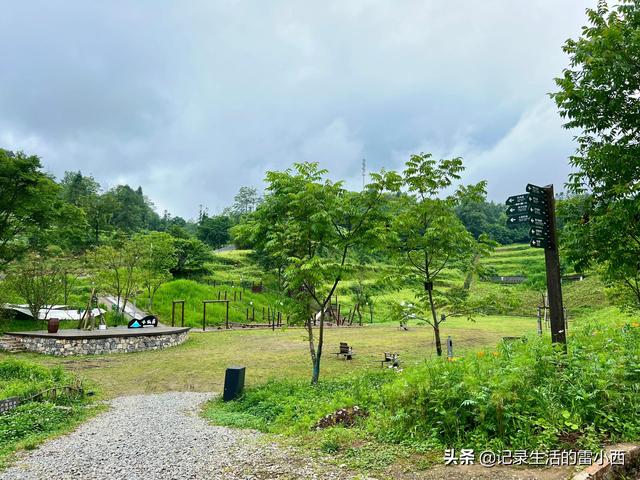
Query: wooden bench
[
  {"x": 391, "y": 358},
  {"x": 346, "y": 351}
]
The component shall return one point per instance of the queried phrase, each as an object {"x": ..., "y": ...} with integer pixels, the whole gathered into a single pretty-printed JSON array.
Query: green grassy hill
[{"x": 498, "y": 299}]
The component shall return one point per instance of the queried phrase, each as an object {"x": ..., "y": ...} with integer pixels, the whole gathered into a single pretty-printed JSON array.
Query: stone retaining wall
[{"x": 89, "y": 346}]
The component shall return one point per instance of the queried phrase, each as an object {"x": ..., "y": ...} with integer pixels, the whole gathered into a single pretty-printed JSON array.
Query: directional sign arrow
[
  {"x": 535, "y": 189},
  {"x": 517, "y": 209},
  {"x": 515, "y": 221},
  {"x": 538, "y": 222},
  {"x": 539, "y": 232},
  {"x": 535, "y": 211},
  {"x": 540, "y": 243},
  {"x": 523, "y": 198},
  {"x": 537, "y": 199}
]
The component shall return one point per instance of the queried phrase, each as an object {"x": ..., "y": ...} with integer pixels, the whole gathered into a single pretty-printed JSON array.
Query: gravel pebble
[{"x": 163, "y": 437}]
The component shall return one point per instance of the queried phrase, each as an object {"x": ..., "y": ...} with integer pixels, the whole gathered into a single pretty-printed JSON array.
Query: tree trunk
[
  {"x": 436, "y": 324},
  {"x": 436, "y": 331},
  {"x": 318, "y": 356}
]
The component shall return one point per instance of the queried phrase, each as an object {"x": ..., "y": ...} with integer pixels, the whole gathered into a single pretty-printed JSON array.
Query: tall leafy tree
[
  {"x": 214, "y": 231},
  {"x": 323, "y": 223},
  {"x": 118, "y": 270},
  {"x": 191, "y": 256},
  {"x": 38, "y": 279},
  {"x": 599, "y": 96},
  {"x": 28, "y": 199},
  {"x": 83, "y": 192},
  {"x": 158, "y": 257},
  {"x": 428, "y": 237},
  {"x": 78, "y": 190},
  {"x": 129, "y": 210},
  {"x": 245, "y": 201}
]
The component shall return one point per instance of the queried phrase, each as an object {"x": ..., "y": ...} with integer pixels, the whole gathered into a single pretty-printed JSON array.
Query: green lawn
[{"x": 200, "y": 362}]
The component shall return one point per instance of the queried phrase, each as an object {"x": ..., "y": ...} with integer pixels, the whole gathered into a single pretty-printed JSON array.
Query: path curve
[{"x": 162, "y": 436}]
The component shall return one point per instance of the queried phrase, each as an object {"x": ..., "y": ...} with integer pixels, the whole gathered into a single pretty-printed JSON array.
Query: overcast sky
[{"x": 193, "y": 99}]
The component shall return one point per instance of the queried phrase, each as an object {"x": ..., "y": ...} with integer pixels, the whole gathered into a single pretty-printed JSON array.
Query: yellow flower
[
  {"x": 635, "y": 324},
  {"x": 481, "y": 354},
  {"x": 495, "y": 354}
]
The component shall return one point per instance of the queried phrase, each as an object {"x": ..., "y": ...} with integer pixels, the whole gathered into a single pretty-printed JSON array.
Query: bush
[{"x": 522, "y": 395}]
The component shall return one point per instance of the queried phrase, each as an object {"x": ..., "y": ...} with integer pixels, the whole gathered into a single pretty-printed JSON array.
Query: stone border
[
  {"x": 67, "y": 334},
  {"x": 606, "y": 470},
  {"x": 101, "y": 344}
]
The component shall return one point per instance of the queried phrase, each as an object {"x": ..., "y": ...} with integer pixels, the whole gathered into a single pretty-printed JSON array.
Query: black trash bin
[{"x": 233, "y": 383}]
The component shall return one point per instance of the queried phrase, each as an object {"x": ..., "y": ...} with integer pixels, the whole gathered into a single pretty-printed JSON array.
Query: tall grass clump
[
  {"x": 292, "y": 407},
  {"x": 23, "y": 379},
  {"x": 36, "y": 419},
  {"x": 522, "y": 395}
]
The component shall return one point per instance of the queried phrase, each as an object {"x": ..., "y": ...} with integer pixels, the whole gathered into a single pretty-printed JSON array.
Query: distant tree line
[{"x": 75, "y": 214}]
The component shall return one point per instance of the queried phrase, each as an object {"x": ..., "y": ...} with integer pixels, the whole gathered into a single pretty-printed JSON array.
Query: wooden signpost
[{"x": 537, "y": 208}]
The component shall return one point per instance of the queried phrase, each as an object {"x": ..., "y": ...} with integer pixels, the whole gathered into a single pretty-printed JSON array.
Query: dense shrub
[{"x": 522, "y": 395}]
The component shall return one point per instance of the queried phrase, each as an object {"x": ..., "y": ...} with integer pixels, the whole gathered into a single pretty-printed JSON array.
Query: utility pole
[{"x": 364, "y": 171}]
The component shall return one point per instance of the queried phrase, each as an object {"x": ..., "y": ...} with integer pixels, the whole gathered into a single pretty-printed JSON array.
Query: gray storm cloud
[{"x": 194, "y": 99}]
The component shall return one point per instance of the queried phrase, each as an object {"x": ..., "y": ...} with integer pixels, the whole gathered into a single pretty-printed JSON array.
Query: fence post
[
  {"x": 449, "y": 347},
  {"x": 539, "y": 320}
]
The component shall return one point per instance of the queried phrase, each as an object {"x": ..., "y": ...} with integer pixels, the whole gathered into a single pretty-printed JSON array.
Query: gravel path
[{"x": 163, "y": 437}]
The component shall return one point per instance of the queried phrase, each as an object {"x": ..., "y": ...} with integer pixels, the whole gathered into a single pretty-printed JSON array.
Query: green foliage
[
  {"x": 481, "y": 217},
  {"x": 295, "y": 406},
  {"x": 129, "y": 210},
  {"x": 39, "y": 281},
  {"x": 214, "y": 231},
  {"x": 598, "y": 95},
  {"x": 305, "y": 229},
  {"x": 191, "y": 256},
  {"x": 245, "y": 201},
  {"x": 31, "y": 419},
  {"x": 521, "y": 395},
  {"x": 158, "y": 258},
  {"x": 32, "y": 422},
  {"x": 23, "y": 379},
  {"x": 428, "y": 237},
  {"x": 194, "y": 293},
  {"x": 28, "y": 201}
]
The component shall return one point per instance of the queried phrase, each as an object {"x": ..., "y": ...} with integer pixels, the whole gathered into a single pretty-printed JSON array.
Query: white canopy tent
[{"x": 55, "y": 311}]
